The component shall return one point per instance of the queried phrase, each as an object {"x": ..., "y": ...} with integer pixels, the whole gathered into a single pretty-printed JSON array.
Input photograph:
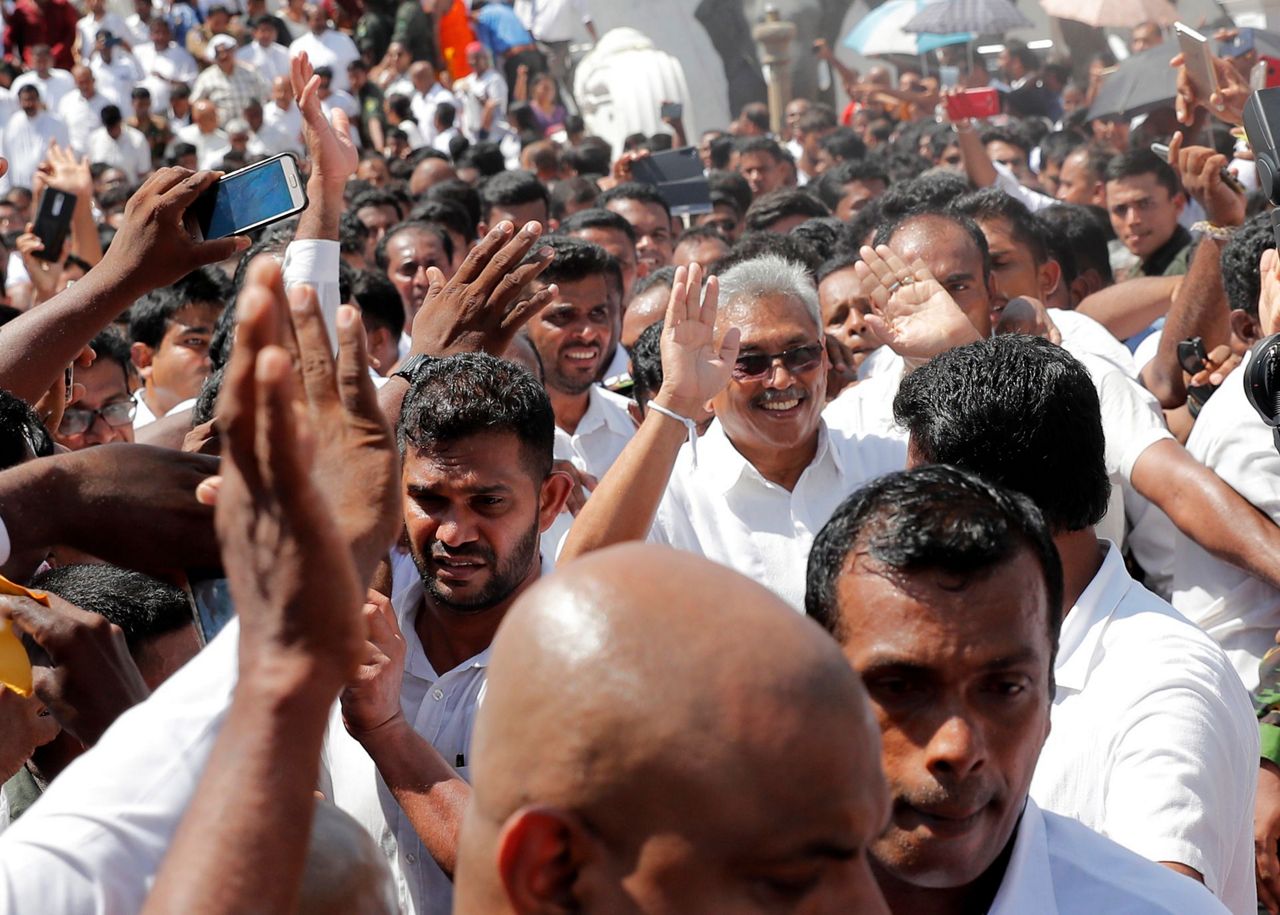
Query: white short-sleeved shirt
[
  {"x": 602, "y": 433},
  {"x": 1240, "y": 612},
  {"x": 1154, "y": 741},
  {"x": 440, "y": 707},
  {"x": 1082, "y": 334},
  {"x": 722, "y": 508},
  {"x": 333, "y": 49},
  {"x": 1058, "y": 867}
]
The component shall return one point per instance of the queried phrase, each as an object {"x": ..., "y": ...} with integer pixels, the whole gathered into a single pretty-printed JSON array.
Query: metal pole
[{"x": 775, "y": 36}]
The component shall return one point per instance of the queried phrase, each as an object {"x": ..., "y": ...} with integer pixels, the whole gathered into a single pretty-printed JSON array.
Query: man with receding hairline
[{"x": 630, "y": 758}]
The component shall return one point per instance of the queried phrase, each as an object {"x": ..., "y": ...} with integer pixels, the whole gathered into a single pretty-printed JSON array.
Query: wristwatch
[{"x": 411, "y": 368}]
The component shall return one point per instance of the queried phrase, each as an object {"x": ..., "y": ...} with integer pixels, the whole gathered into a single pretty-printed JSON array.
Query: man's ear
[
  {"x": 555, "y": 493},
  {"x": 541, "y": 854},
  {"x": 1245, "y": 327},
  {"x": 141, "y": 354},
  {"x": 1050, "y": 277}
]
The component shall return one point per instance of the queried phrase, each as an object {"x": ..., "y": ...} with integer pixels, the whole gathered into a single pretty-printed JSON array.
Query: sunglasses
[
  {"x": 753, "y": 366},
  {"x": 76, "y": 420}
]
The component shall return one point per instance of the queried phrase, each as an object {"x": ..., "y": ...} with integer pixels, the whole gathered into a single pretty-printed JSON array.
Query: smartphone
[
  {"x": 1198, "y": 60},
  {"x": 1265, "y": 73},
  {"x": 53, "y": 222},
  {"x": 248, "y": 199},
  {"x": 672, "y": 111},
  {"x": 669, "y": 165},
  {"x": 974, "y": 103}
]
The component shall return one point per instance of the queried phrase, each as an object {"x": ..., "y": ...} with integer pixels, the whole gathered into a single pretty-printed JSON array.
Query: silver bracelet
[{"x": 689, "y": 424}]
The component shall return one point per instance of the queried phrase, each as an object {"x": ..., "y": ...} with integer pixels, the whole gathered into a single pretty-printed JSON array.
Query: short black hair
[
  {"x": 379, "y": 301},
  {"x": 597, "y": 218},
  {"x": 109, "y": 345},
  {"x": 930, "y": 518},
  {"x": 21, "y": 432},
  {"x": 143, "y": 607},
  {"x": 901, "y": 164},
  {"x": 352, "y": 233},
  {"x": 933, "y": 191},
  {"x": 646, "y": 363},
  {"x": 826, "y": 235},
  {"x": 1058, "y": 145},
  {"x": 592, "y": 156},
  {"x": 455, "y": 190},
  {"x": 206, "y": 405},
  {"x": 1012, "y": 134},
  {"x": 634, "y": 190},
  {"x": 150, "y": 316},
  {"x": 1018, "y": 411},
  {"x": 575, "y": 259},
  {"x": 1078, "y": 239},
  {"x": 830, "y": 186},
  {"x": 720, "y": 151},
  {"x": 411, "y": 225},
  {"x": 447, "y": 213},
  {"x": 755, "y": 244},
  {"x": 1241, "y": 278},
  {"x": 567, "y": 191},
  {"x": 1138, "y": 162},
  {"x": 774, "y": 206},
  {"x": 817, "y": 116},
  {"x": 663, "y": 276},
  {"x": 485, "y": 157},
  {"x": 474, "y": 393},
  {"x": 1097, "y": 159},
  {"x": 512, "y": 188},
  {"x": 993, "y": 203},
  {"x": 730, "y": 188},
  {"x": 111, "y": 116},
  {"x": 844, "y": 145},
  {"x": 887, "y": 230},
  {"x": 762, "y": 144},
  {"x": 756, "y": 113},
  {"x": 377, "y": 197}
]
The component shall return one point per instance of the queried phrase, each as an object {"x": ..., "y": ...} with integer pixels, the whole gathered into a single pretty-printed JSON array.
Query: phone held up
[
  {"x": 255, "y": 196},
  {"x": 53, "y": 223},
  {"x": 973, "y": 103}
]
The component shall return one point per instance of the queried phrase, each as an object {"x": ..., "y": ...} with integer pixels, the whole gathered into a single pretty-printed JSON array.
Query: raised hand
[
  {"x": 371, "y": 699},
  {"x": 332, "y": 153},
  {"x": 694, "y": 368},
  {"x": 911, "y": 313},
  {"x": 44, "y": 274},
  {"x": 1200, "y": 169},
  {"x": 482, "y": 306},
  {"x": 1227, "y": 104},
  {"x": 62, "y": 170}
]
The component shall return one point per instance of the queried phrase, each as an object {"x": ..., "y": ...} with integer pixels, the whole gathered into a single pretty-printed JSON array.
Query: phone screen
[{"x": 248, "y": 197}]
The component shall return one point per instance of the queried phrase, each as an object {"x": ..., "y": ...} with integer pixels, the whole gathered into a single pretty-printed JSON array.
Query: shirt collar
[
  {"x": 726, "y": 466},
  {"x": 1028, "y": 879},
  {"x": 602, "y": 412},
  {"x": 406, "y": 603},
  {"x": 1081, "y": 636}
]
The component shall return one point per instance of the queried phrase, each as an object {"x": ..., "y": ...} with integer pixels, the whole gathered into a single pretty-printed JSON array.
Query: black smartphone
[
  {"x": 672, "y": 111},
  {"x": 248, "y": 199},
  {"x": 1191, "y": 355},
  {"x": 53, "y": 222},
  {"x": 678, "y": 175}
]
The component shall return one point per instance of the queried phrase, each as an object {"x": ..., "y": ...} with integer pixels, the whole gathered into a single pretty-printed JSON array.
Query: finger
[
  {"x": 1175, "y": 147},
  {"x": 508, "y": 258},
  {"x": 880, "y": 270},
  {"x": 522, "y": 311},
  {"x": 276, "y": 447},
  {"x": 315, "y": 354},
  {"x": 693, "y": 295},
  {"x": 920, "y": 270},
  {"x": 164, "y": 180},
  {"x": 675, "y": 301},
  {"x": 215, "y": 252},
  {"x": 476, "y": 261},
  {"x": 208, "y": 489},
  {"x": 184, "y": 193},
  {"x": 875, "y": 290},
  {"x": 339, "y": 121},
  {"x": 896, "y": 264},
  {"x": 588, "y": 482},
  {"x": 710, "y": 301},
  {"x": 515, "y": 281},
  {"x": 355, "y": 387},
  {"x": 235, "y": 412}
]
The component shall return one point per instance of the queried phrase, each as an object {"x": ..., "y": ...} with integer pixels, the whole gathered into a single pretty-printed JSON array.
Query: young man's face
[
  {"x": 176, "y": 369},
  {"x": 1014, "y": 271},
  {"x": 574, "y": 333},
  {"x": 104, "y": 413},
  {"x": 654, "y": 244},
  {"x": 1143, "y": 213}
]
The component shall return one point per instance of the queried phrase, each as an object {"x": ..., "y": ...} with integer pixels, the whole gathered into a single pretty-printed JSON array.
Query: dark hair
[
  {"x": 934, "y": 191},
  {"x": 590, "y": 157},
  {"x": 844, "y": 145},
  {"x": 352, "y": 233},
  {"x": 830, "y": 186},
  {"x": 826, "y": 235},
  {"x": 1023, "y": 54},
  {"x": 886, "y": 231},
  {"x": 1138, "y": 162},
  {"x": 512, "y": 189},
  {"x": 376, "y": 197},
  {"x": 931, "y": 518},
  {"x": 663, "y": 276},
  {"x": 485, "y": 157},
  {"x": 755, "y": 244},
  {"x": 993, "y": 203},
  {"x": 206, "y": 405},
  {"x": 379, "y": 301},
  {"x": 140, "y": 92},
  {"x": 150, "y": 316},
  {"x": 111, "y": 116},
  {"x": 762, "y": 145},
  {"x": 1078, "y": 240},
  {"x": 1012, "y": 133},
  {"x": 842, "y": 260},
  {"x": 1056, "y": 146},
  {"x": 597, "y": 218},
  {"x": 1241, "y": 278},
  {"x": 1097, "y": 159},
  {"x": 111, "y": 346},
  {"x": 445, "y": 213},
  {"x": 455, "y": 190},
  {"x": 20, "y": 430},
  {"x": 445, "y": 114},
  {"x": 695, "y": 233},
  {"x": 143, "y": 607},
  {"x": 817, "y": 117},
  {"x": 575, "y": 190},
  {"x": 473, "y": 393},
  {"x": 575, "y": 260},
  {"x": 634, "y": 190},
  {"x": 1019, "y": 411},
  {"x": 646, "y": 363},
  {"x": 774, "y": 206},
  {"x": 901, "y": 164},
  {"x": 757, "y": 114},
  {"x": 730, "y": 188},
  {"x": 411, "y": 225},
  {"x": 720, "y": 151}
]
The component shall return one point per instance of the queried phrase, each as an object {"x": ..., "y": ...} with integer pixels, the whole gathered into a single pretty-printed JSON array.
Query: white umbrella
[
  {"x": 1117, "y": 13},
  {"x": 881, "y": 31}
]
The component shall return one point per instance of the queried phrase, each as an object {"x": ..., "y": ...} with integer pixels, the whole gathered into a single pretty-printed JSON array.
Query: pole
[{"x": 775, "y": 36}]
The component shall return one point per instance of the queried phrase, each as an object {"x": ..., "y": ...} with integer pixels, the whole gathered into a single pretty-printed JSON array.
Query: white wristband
[{"x": 685, "y": 421}]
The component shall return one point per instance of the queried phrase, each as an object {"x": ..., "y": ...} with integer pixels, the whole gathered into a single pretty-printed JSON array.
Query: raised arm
[{"x": 695, "y": 368}]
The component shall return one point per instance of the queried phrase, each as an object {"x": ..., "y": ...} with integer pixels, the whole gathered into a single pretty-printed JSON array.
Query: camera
[
  {"x": 1262, "y": 375},
  {"x": 1262, "y": 383}
]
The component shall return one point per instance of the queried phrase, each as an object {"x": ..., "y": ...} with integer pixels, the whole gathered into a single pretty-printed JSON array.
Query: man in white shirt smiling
[
  {"x": 944, "y": 592},
  {"x": 1154, "y": 743}
]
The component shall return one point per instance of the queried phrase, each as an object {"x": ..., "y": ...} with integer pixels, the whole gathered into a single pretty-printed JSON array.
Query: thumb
[
  {"x": 221, "y": 249},
  {"x": 340, "y": 121}
]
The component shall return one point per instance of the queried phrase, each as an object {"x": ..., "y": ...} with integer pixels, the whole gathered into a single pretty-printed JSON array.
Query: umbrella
[
  {"x": 986, "y": 17},
  {"x": 1119, "y": 13},
  {"x": 1143, "y": 82},
  {"x": 880, "y": 31}
]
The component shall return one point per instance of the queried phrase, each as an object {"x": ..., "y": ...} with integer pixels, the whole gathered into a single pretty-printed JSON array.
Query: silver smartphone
[
  {"x": 253, "y": 197},
  {"x": 1198, "y": 59}
]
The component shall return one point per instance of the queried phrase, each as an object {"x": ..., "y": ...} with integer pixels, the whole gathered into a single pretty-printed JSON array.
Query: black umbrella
[
  {"x": 1140, "y": 84},
  {"x": 984, "y": 17}
]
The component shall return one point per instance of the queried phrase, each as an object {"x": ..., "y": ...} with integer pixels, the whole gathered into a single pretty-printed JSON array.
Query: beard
[{"x": 505, "y": 575}]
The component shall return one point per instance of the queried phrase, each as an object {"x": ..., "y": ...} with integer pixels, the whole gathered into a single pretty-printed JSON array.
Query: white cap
[{"x": 218, "y": 42}]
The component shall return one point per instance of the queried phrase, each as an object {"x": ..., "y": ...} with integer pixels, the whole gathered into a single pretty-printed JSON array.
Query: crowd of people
[{"x": 897, "y": 534}]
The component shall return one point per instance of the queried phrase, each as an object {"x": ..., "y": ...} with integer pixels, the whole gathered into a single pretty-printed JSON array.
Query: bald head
[
  {"x": 428, "y": 173},
  {"x": 346, "y": 873},
  {"x": 621, "y": 732}
]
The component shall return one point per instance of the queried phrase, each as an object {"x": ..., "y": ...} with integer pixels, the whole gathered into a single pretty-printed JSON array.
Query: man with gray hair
[{"x": 755, "y": 489}]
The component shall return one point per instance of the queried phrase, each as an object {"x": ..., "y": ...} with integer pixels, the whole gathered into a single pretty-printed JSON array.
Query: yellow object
[{"x": 15, "y": 667}]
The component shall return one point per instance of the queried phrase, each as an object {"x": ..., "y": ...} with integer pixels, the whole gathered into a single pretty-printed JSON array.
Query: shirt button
[
  {"x": 411, "y": 858},
  {"x": 437, "y": 694}
]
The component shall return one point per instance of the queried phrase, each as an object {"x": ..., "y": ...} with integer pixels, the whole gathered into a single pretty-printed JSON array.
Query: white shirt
[
  {"x": 270, "y": 62},
  {"x": 440, "y": 707},
  {"x": 52, "y": 89},
  {"x": 83, "y": 116},
  {"x": 130, "y": 152},
  {"x": 159, "y": 68},
  {"x": 26, "y": 142},
  {"x": 552, "y": 20},
  {"x": 722, "y": 508},
  {"x": 424, "y": 107},
  {"x": 332, "y": 49},
  {"x": 473, "y": 91},
  {"x": 210, "y": 147},
  {"x": 1058, "y": 867},
  {"x": 117, "y": 77},
  {"x": 285, "y": 122},
  {"x": 1154, "y": 742},
  {"x": 1239, "y": 611},
  {"x": 1081, "y": 333},
  {"x": 88, "y": 28},
  {"x": 443, "y": 139},
  {"x": 602, "y": 433}
]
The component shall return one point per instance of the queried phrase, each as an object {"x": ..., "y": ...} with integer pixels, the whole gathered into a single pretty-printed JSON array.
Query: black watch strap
[{"x": 411, "y": 367}]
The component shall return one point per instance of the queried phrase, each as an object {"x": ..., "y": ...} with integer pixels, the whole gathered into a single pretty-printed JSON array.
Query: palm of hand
[
  {"x": 915, "y": 312},
  {"x": 696, "y": 368}
]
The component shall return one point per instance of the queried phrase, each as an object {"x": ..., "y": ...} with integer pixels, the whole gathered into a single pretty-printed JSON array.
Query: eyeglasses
[
  {"x": 76, "y": 420},
  {"x": 753, "y": 366}
]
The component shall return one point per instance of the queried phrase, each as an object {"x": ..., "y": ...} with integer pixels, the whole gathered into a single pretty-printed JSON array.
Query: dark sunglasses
[
  {"x": 78, "y": 419},
  {"x": 752, "y": 366}
]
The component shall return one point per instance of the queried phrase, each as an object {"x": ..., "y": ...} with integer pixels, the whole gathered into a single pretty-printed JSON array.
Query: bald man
[
  {"x": 629, "y": 758},
  {"x": 346, "y": 873}
]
